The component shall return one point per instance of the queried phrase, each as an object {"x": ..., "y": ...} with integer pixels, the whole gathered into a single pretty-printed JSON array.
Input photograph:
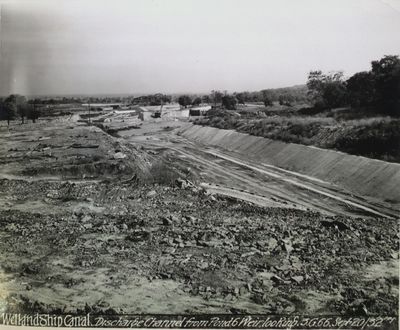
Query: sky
[{"x": 62, "y": 47}]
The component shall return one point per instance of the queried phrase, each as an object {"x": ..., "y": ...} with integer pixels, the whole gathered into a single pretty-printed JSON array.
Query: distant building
[
  {"x": 144, "y": 115},
  {"x": 103, "y": 106},
  {"x": 178, "y": 113},
  {"x": 199, "y": 111}
]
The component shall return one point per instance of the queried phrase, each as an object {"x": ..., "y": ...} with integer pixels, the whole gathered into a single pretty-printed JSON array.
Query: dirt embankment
[
  {"x": 375, "y": 137},
  {"x": 360, "y": 175}
]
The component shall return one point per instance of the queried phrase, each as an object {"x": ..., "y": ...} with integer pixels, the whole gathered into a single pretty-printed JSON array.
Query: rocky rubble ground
[
  {"x": 216, "y": 248},
  {"x": 68, "y": 151}
]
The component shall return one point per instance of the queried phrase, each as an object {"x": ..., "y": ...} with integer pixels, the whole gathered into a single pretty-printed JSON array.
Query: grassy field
[{"x": 364, "y": 134}]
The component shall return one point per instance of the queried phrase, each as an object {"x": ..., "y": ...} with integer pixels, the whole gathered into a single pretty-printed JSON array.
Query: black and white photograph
[{"x": 200, "y": 164}]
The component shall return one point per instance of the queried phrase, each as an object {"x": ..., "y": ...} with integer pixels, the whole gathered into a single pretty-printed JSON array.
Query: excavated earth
[{"x": 126, "y": 223}]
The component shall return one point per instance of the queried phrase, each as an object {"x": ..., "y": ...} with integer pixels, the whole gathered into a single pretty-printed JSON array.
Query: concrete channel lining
[{"x": 357, "y": 174}]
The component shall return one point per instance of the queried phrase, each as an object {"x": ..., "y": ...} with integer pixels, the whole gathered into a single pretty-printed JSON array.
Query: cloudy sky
[{"x": 145, "y": 46}]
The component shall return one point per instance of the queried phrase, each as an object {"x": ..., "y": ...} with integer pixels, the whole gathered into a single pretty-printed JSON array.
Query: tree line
[
  {"x": 16, "y": 105},
  {"x": 284, "y": 96},
  {"x": 377, "y": 89}
]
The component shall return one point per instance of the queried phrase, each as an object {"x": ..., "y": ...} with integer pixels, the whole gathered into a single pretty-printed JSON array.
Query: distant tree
[
  {"x": 8, "y": 111},
  {"x": 156, "y": 99},
  {"x": 2, "y": 110},
  {"x": 285, "y": 100},
  {"x": 166, "y": 98},
  {"x": 23, "y": 109},
  {"x": 268, "y": 102},
  {"x": 386, "y": 73},
  {"x": 229, "y": 102},
  {"x": 184, "y": 100},
  {"x": 335, "y": 94},
  {"x": 315, "y": 85},
  {"x": 327, "y": 90},
  {"x": 33, "y": 111},
  {"x": 206, "y": 99},
  {"x": 268, "y": 94},
  {"x": 20, "y": 104},
  {"x": 240, "y": 98},
  {"x": 361, "y": 89},
  {"x": 196, "y": 101},
  {"x": 248, "y": 97},
  {"x": 216, "y": 96}
]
